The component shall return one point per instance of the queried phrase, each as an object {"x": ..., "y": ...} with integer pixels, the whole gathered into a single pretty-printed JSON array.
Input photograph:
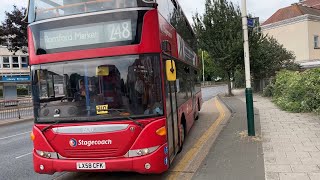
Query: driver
[
  {"x": 82, "y": 89},
  {"x": 153, "y": 108}
]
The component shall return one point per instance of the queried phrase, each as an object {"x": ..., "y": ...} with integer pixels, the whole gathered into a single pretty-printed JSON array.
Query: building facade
[
  {"x": 297, "y": 27},
  {"x": 14, "y": 71}
]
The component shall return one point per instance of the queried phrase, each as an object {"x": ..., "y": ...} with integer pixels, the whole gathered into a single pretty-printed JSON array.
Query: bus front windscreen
[
  {"x": 108, "y": 88},
  {"x": 47, "y": 9}
]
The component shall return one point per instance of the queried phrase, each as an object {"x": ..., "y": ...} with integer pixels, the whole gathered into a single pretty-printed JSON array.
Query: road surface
[{"x": 16, "y": 147}]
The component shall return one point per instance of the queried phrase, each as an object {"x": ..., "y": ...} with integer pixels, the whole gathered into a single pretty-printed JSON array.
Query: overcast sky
[{"x": 259, "y": 8}]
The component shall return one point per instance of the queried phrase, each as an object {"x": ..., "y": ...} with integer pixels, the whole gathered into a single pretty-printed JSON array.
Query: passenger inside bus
[
  {"x": 139, "y": 88},
  {"x": 153, "y": 108},
  {"x": 82, "y": 91}
]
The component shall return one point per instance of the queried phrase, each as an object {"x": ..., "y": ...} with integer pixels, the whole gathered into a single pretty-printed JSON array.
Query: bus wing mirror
[
  {"x": 27, "y": 12},
  {"x": 171, "y": 70}
]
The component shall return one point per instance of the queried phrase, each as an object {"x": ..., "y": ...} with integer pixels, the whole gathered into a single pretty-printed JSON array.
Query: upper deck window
[{"x": 47, "y": 9}]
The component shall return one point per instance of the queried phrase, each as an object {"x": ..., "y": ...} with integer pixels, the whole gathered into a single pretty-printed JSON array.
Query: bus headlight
[
  {"x": 49, "y": 155},
  {"x": 141, "y": 152}
]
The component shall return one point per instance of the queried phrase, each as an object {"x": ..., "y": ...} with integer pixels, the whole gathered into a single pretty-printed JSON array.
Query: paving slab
[
  {"x": 297, "y": 137},
  {"x": 234, "y": 155}
]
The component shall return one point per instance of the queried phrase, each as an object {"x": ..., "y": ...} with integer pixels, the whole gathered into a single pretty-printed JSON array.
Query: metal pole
[
  {"x": 249, "y": 98},
  {"x": 202, "y": 67}
]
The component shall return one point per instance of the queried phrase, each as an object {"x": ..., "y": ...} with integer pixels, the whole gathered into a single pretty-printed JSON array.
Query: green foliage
[
  {"x": 22, "y": 91},
  {"x": 268, "y": 90},
  {"x": 211, "y": 70},
  {"x": 13, "y": 31},
  {"x": 239, "y": 78},
  {"x": 298, "y": 91},
  {"x": 219, "y": 31},
  {"x": 268, "y": 56}
]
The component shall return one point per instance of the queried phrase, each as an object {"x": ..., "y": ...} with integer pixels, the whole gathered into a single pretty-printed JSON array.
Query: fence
[
  {"x": 259, "y": 85},
  {"x": 16, "y": 109},
  {"x": 212, "y": 83}
]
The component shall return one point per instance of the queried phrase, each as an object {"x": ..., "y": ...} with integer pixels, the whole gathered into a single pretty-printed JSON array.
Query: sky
[{"x": 259, "y": 8}]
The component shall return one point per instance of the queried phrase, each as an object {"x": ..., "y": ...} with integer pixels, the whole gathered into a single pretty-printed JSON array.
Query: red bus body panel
[
  {"x": 112, "y": 165},
  {"x": 113, "y": 155},
  {"x": 150, "y": 31},
  {"x": 155, "y": 30}
]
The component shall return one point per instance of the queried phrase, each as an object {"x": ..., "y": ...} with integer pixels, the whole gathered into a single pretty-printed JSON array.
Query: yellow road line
[{"x": 196, "y": 147}]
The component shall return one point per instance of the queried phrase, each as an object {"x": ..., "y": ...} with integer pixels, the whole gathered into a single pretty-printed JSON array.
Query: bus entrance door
[{"x": 172, "y": 119}]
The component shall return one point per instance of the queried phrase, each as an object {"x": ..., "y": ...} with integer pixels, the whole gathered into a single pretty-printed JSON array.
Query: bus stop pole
[
  {"x": 202, "y": 67},
  {"x": 249, "y": 98}
]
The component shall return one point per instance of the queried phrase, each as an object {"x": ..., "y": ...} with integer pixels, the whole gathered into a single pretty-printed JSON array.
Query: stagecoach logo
[{"x": 73, "y": 142}]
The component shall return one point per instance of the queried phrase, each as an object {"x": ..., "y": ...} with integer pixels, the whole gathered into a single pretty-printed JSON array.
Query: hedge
[
  {"x": 296, "y": 91},
  {"x": 20, "y": 92}
]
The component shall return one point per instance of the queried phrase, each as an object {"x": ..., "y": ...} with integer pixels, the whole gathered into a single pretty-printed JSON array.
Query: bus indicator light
[
  {"x": 162, "y": 131},
  {"x": 32, "y": 136}
]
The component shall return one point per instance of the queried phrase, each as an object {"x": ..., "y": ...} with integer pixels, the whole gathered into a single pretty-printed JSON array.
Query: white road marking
[
  {"x": 23, "y": 155},
  {"x": 14, "y": 135}
]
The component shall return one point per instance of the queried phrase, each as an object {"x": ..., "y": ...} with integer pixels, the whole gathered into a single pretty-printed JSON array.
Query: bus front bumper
[{"x": 154, "y": 163}]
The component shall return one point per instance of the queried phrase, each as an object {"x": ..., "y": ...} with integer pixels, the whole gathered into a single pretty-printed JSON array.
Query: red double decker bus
[{"x": 115, "y": 84}]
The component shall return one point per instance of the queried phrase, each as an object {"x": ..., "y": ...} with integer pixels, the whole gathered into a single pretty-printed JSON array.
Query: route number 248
[{"x": 121, "y": 31}]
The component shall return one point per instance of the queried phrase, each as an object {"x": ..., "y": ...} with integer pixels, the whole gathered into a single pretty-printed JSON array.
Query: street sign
[
  {"x": 15, "y": 79},
  {"x": 251, "y": 22}
]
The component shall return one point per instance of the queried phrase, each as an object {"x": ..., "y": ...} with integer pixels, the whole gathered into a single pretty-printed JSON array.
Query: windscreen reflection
[{"x": 98, "y": 89}]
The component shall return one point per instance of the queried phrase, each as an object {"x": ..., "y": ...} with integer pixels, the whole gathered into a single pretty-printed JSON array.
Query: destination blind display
[{"x": 106, "y": 32}]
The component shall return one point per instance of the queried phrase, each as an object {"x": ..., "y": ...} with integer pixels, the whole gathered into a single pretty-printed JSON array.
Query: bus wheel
[
  {"x": 197, "y": 113},
  {"x": 182, "y": 136}
]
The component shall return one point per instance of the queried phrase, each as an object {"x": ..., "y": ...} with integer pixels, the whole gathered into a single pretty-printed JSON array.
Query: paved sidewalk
[
  {"x": 291, "y": 142},
  {"x": 234, "y": 156},
  {"x": 4, "y": 122},
  {"x": 286, "y": 146}
]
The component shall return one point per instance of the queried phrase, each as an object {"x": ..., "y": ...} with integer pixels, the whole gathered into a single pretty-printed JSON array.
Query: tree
[
  {"x": 13, "y": 31},
  {"x": 219, "y": 32},
  {"x": 211, "y": 70},
  {"x": 267, "y": 55}
]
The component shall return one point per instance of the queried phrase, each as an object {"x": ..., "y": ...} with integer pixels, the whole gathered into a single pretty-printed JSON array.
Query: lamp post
[{"x": 249, "y": 98}]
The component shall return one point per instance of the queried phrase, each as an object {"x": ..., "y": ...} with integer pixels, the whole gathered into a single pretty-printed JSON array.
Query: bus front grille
[{"x": 91, "y": 153}]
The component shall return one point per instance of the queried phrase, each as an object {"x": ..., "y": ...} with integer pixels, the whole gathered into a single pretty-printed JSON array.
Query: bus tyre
[
  {"x": 197, "y": 116},
  {"x": 197, "y": 113},
  {"x": 181, "y": 136}
]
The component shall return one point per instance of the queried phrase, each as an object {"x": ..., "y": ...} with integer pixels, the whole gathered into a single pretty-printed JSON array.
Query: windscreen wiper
[
  {"x": 117, "y": 110},
  {"x": 134, "y": 121},
  {"x": 128, "y": 117},
  {"x": 49, "y": 126}
]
